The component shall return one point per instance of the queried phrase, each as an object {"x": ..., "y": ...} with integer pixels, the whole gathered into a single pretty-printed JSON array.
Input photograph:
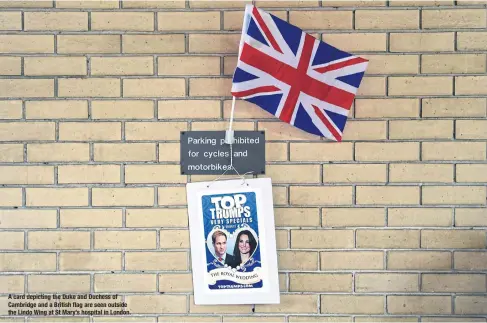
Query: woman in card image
[{"x": 245, "y": 245}]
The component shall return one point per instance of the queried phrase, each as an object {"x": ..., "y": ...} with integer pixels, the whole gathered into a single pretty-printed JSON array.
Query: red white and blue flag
[{"x": 296, "y": 77}]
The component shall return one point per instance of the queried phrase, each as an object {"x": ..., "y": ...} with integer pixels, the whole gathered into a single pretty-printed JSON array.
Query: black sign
[{"x": 206, "y": 153}]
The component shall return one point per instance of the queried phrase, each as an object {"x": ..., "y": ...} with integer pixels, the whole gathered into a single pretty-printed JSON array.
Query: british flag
[{"x": 299, "y": 79}]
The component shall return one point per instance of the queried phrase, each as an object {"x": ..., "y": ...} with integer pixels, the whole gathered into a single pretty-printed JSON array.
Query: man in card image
[{"x": 219, "y": 240}]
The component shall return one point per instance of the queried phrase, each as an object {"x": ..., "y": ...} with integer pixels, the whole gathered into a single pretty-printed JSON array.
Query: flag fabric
[{"x": 301, "y": 80}]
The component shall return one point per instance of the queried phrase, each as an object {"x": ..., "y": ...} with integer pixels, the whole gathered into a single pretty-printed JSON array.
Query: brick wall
[{"x": 390, "y": 222}]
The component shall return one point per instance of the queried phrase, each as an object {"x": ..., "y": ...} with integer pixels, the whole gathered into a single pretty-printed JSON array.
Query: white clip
[{"x": 229, "y": 138}]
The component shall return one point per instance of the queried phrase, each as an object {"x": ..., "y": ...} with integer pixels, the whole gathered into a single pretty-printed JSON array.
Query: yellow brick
[
  {"x": 27, "y": 44},
  {"x": 471, "y": 40},
  {"x": 122, "y": 66},
  {"x": 233, "y": 20},
  {"x": 26, "y": 88},
  {"x": 417, "y": 217},
  {"x": 214, "y": 43},
  {"x": 58, "y": 152},
  {"x": 88, "y": 174},
  {"x": 279, "y": 195},
  {"x": 291, "y": 304},
  {"x": 451, "y": 319},
  {"x": 171, "y": 195},
  {"x": 420, "y": 85},
  {"x": 387, "y": 239},
  {"x": 170, "y": 152},
  {"x": 90, "y": 261},
  {"x": 288, "y": 4},
  {"x": 125, "y": 283},
  {"x": 365, "y": 130},
  {"x": 210, "y": 86},
  {"x": 142, "y": 4},
  {"x": 10, "y": 65},
  {"x": 294, "y": 173},
  {"x": 174, "y": 239},
  {"x": 253, "y": 318},
  {"x": 473, "y": 239},
  {"x": 124, "y": 109},
  {"x": 12, "y": 284},
  {"x": 422, "y": 42},
  {"x": 90, "y": 131},
  {"x": 367, "y": 42},
  {"x": 421, "y": 129},
  {"x": 188, "y": 65},
  {"x": 156, "y": 260},
  {"x": 297, "y": 260},
  {"x": 422, "y": 3},
  {"x": 320, "y": 318},
  {"x": 125, "y": 240},
  {"x": 88, "y": 44},
  {"x": 392, "y": 64},
  {"x": 49, "y": 319},
  {"x": 133, "y": 319},
  {"x": 26, "y": 4},
  {"x": 17, "y": 131},
  {"x": 284, "y": 131},
  {"x": 154, "y": 174},
  {"x": 59, "y": 283},
  {"x": 154, "y": 130},
  {"x": 419, "y": 260},
  {"x": 419, "y": 304},
  {"x": 387, "y": 19},
  {"x": 124, "y": 21},
  {"x": 10, "y": 197},
  {"x": 297, "y": 217},
  {"x": 60, "y": 109},
  {"x": 11, "y": 20},
  {"x": 471, "y": 305},
  {"x": 95, "y": 4},
  {"x": 276, "y": 151},
  {"x": 10, "y": 110},
  {"x": 354, "y": 173},
  {"x": 92, "y": 87},
  {"x": 125, "y": 152},
  {"x": 123, "y": 196},
  {"x": 218, "y": 4},
  {"x": 375, "y": 86},
  {"x": 399, "y": 195},
  {"x": 454, "y": 18},
  {"x": 153, "y": 44},
  {"x": 220, "y": 126},
  {"x": 471, "y": 217},
  {"x": 420, "y": 173},
  {"x": 470, "y": 85},
  {"x": 321, "y": 19},
  {"x": 448, "y": 283},
  {"x": 154, "y": 87},
  {"x": 27, "y": 261},
  {"x": 459, "y": 63},
  {"x": 471, "y": 129},
  {"x": 175, "y": 283},
  {"x": 282, "y": 240},
  {"x": 55, "y": 66},
  {"x": 321, "y": 151},
  {"x": 28, "y": 219},
  {"x": 320, "y": 282},
  {"x": 454, "y": 107},
  {"x": 57, "y": 197},
  {"x": 89, "y": 218},
  {"x": 58, "y": 240},
  {"x": 193, "y": 109},
  {"x": 454, "y": 195},
  {"x": 387, "y": 151},
  {"x": 352, "y": 304},
  {"x": 453, "y": 151},
  {"x": 467, "y": 260},
  {"x": 371, "y": 319},
  {"x": 186, "y": 318},
  {"x": 156, "y": 304},
  {"x": 229, "y": 65},
  {"x": 53, "y": 21},
  {"x": 171, "y": 21},
  {"x": 383, "y": 108},
  {"x": 366, "y": 283},
  {"x": 327, "y": 239},
  {"x": 309, "y": 195},
  {"x": 345, "y": 217},
  {"x": 11, "y": 240},
  {"x": 26, "y": 175}
]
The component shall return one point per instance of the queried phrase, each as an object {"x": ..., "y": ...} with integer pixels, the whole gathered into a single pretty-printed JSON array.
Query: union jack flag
[{"x": 299, "y": 79}]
